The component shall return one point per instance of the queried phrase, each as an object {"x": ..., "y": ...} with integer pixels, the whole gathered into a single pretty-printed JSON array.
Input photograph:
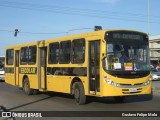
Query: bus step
[{"x": 42, "y": 90}]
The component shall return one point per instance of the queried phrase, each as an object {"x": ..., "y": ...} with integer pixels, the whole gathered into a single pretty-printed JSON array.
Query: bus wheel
[
  {"x": 79, "y": 96},
  {"x": 35, "y": 92},
  {"x": 119, "y": 99},
  {"x": 26, "y": 87}
]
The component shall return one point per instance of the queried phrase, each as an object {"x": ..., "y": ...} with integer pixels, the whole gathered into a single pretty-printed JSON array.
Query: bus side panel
[
  {"x": 85, "y": 84},
  {"x": 33, "y": 80},
  {"x": 63, "y": 83},
  {"x": 58, "y": 83},
  {"x": 67, "y": 83},
  {"x": 9, "y": 76},
  {"x": 9, "y": 66},
  {"x": 21, "y": 80}
]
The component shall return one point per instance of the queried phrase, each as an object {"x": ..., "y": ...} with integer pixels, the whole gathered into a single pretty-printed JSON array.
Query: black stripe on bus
[
  {"x": 67, "y": 71},
  {"x": 9, "y": 69},
  {"x": 129, "y": 74}
]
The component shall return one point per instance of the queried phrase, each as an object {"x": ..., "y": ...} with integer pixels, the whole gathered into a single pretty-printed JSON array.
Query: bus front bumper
[{"x": 113, "y": 89}]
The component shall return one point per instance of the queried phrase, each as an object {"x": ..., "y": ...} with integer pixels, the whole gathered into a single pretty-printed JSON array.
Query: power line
[
  {"x": 73, "y": 9},
  {"x": 32, "y": 32},
  {"x": 77, "y": 11},
  {"x": 88, "y": 15},
  {"x": 7, "y": 30},
  {"x": 46, "y": 33}
]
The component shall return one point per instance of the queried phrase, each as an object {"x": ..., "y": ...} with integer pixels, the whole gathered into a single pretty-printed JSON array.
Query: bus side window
[
  {"x": 32, "y": 54},
  {"x": 78, "y": 50},
  {"x": 9, "y": 56},
  {"x": 24, "y": 55},
  {"x": 53, "y": 53},
  {"x": 65, "y": 50}
]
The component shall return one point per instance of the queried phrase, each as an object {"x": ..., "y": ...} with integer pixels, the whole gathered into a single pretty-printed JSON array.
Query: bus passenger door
[
  {"x": 94, "y": 66},
  {"x": 42, "y": 67},
  {"x": 16, "y": 67}
]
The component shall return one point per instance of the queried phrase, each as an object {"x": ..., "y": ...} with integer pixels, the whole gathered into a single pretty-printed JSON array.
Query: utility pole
[{"x": 148, "y": 17}]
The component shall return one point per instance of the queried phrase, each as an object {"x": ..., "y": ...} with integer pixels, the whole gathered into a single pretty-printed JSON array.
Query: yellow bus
[{"x": 102, "y": 63}]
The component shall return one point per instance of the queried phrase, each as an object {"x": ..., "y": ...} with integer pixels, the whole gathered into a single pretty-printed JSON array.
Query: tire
[
  {"x": 151, "y": 95},
  {"x": 79, "y": 96},
  {"x": 35, "y": 92},
  {"x": 21, "y": 88},
  {"x": 26, "y": 87},
  {"x": 119, "y": 99}
]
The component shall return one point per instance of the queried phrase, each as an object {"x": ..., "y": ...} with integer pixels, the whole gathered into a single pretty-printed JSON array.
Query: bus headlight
[
  {"x": 147, "y": 83},
  {"x": 110, "y": 82},
  {"x": 150, "y": 78}
]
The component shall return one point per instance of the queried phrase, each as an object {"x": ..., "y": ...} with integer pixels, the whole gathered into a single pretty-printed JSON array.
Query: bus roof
[{"x": 74, "y": 36}]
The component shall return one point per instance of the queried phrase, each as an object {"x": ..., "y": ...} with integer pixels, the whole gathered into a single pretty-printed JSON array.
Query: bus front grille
[
  {"x": 131, "y": 91},
  {"x": 131, "y": 86}
]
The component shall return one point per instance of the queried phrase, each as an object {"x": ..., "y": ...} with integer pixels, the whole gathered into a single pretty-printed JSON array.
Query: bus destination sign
[{"x": 127, "y": 36}]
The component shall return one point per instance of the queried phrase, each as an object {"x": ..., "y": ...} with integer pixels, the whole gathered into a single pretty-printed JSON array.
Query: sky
[{"x": 43, "y": 19}]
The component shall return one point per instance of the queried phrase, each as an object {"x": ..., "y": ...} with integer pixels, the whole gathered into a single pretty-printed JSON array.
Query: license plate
[{"x": 132, "y": 89}]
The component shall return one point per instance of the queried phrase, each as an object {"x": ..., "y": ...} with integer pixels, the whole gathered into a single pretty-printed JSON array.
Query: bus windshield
[{"x": 127, "y": 52}]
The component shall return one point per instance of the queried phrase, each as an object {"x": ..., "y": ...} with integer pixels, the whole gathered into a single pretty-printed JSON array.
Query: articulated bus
[{"x": 102, "y": 63}]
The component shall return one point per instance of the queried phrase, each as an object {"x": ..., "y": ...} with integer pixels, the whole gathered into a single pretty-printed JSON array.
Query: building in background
[{"x": 154, "y": 45}]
